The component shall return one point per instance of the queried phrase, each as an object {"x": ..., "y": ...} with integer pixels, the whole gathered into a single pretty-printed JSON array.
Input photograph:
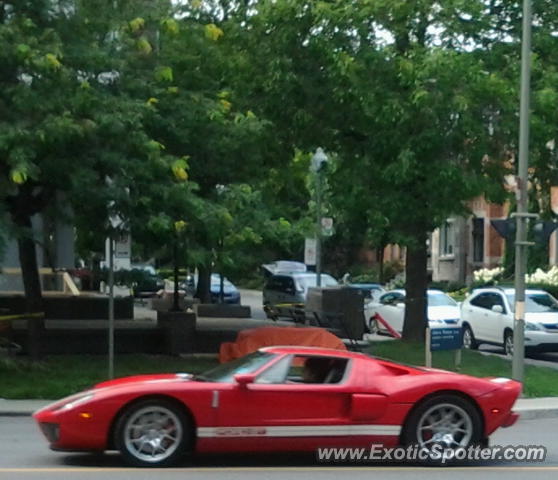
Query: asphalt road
[
  {"x": 24, "y": 455},
  {"x": 253, "y": 299}
]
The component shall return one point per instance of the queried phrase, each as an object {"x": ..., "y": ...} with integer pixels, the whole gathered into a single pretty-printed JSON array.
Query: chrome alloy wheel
[
  {"x": 508, "y": 344},
  {"x": 444, "y": 424},
  {"x": 467, "y": 339},
  {"x": 152, "y": 434}
]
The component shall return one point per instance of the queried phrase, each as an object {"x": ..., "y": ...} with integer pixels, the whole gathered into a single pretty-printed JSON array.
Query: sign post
[
  {"x": 450, "y": 338},
  {"x": 310, "y": 251}
]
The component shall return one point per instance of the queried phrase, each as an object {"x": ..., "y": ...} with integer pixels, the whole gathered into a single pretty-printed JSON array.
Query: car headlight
[
  {"x": 75, "y": 401},
  {"x": 530, "y": 326}
]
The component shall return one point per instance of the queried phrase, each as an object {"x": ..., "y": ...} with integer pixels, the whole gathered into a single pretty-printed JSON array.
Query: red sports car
[{"x": 280, "y": 399}]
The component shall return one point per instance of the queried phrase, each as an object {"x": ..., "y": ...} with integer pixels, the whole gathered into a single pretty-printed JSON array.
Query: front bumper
[
  {"x": 77, "y": 429},
  {"x": 510, "y": 419},
  {"x": 541, "y": 341}
]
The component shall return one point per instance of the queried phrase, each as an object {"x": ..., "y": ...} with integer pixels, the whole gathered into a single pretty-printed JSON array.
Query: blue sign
[{"x": 446, "y": 338}]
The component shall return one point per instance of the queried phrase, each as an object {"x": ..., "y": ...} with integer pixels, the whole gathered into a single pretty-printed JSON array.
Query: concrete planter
[
  {"x": 164, "y": 304},
  {"x": 83, "y": 307},
  {"x": 222, "y": 310},
  {"x": 179, "y": 331}
]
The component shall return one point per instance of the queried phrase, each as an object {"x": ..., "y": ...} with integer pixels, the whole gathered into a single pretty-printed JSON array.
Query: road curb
[{"x": 530, "y": 414}]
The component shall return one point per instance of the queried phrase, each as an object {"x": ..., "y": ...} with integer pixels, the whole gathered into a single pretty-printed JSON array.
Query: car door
[
  {"x": 476, "y": 314},
  {"x": 392, "y": 310},
  {"x": 274, "y": 412},
  {"x": 484, "y": 321},
  {"x": 497, "y": 321}
]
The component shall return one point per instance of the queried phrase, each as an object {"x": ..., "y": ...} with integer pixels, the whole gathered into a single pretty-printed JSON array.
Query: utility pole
[
  {"x": 319, "y": 162},
  {"x": 111, "y": 308},
  {"x": 522, "y": 214}
]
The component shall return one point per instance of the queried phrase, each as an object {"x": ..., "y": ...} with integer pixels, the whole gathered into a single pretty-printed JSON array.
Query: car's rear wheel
[
  {"x": 508, "y": 343},
  {"x": 153, "y": 433},
  {"x": 443, "y": 422},
  {"x": 469, "y": 340},
  {"x": 270, "y": 312}
]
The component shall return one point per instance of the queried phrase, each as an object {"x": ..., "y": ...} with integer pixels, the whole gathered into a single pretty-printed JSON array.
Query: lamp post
[
  {"x": 522, "y": 214},
  {"x": 319, "y": 161}
]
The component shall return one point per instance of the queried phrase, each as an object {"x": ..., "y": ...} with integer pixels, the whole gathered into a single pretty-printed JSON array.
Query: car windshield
[
  {"x": 216, "y": 280},
  {"x": 536, "y": 302},
  {"x": 312, "y": 281},
  {"x": 440, "y": 300},
  {"x": 225, "y": 373}
]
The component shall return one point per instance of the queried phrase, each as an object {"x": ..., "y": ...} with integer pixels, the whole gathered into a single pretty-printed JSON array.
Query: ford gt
[{"x": 267, "y": 402}]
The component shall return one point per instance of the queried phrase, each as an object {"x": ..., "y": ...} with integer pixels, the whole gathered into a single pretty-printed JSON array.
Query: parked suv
[
  {"x": 290, "y": 288},
  {"x": 488, "y": 317}
]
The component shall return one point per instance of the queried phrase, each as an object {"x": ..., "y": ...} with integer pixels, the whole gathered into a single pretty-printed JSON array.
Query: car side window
[
  {"x": 487, "y": 300},
  {"x": 388, "y": 299},
  {"x": 482, "y": 301},
  {"x": 279, "y": 283},
  {"x": 497, "y": 299},
  {"x": 305, "y": 369},
  {"x": 289, "y": 284},
  {"x": 392, "y": 298}
]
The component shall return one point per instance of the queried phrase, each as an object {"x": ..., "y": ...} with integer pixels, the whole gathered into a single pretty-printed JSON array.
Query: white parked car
[
  {"x": 488, "y": 317},
  {"x": 443, "y": 311}
]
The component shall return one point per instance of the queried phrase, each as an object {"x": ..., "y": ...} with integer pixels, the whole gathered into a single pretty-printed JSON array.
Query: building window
[
  {"x": 447, "y": 239},
  {"x": 478, "y": 240}
]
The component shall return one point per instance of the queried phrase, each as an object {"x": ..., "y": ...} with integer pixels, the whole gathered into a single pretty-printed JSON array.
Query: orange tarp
[{"x": 250, "y": 340}]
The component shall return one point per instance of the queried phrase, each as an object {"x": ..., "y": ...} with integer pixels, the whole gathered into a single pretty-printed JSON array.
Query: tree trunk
[
  {"x": 31, "y": 284},
  {"x": 175, "y": 298},
  {"x": 204, "y": 284},
  {"x": 380, "y": 259},
  {"x": 415, "y": 286}
]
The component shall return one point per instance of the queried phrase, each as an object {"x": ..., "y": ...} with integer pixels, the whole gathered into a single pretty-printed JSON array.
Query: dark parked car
[
  {"x": 145, "y": 280},
  {"x": 231, "y": 295},
  {"x": 230, "y": 292}
]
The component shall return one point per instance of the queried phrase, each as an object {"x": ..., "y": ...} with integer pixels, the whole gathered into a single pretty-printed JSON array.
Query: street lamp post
[{"x": 319, "y": 161}]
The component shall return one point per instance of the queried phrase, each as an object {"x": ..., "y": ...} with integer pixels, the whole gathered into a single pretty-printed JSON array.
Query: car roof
[
  {"x": 299, "y": 274},
  {"x": 428, "y": 290},
  {"x": 507, "y": 290},
  {"x": 304, "y": 350}
]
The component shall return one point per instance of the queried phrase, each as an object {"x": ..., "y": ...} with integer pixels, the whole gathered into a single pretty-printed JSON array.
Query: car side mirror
[
  {"x": 400, "y": 305},
  {"x": 244, "y": 379},
  {"x": 497, "y": 309}
]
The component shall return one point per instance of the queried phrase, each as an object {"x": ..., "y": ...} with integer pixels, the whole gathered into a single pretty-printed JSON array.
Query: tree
[
  {"x": 401, "y": 92},
  {"x": 66, "y": 125}
]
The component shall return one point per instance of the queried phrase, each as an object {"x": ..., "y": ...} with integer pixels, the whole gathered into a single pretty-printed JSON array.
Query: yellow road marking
[{"x": 279, "y": 469}]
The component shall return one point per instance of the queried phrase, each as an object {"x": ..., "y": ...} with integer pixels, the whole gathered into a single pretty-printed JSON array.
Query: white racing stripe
[{"x": 299, "y": 431}]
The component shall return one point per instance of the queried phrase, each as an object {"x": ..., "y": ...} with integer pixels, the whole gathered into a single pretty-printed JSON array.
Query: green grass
[
  {"x": 539, "y": 381},
  {"x": 62, "y": 375}
]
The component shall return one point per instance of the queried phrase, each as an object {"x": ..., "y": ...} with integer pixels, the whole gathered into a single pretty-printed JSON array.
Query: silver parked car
[{"x": 289, "y": 289}]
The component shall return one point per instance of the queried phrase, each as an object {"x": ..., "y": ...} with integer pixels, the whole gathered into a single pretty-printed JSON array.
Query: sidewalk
[{"x": 529, "y": 408}]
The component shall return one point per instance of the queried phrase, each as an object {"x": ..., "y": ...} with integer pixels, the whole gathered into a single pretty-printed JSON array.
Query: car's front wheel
[
  {"x": 469, "y": 340},
  {"x": 508, "y": 343},
  {"x": 443, "y": 422},
  {"x": 153, "y": 433},
  {"x": 373, "y": 326}
]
